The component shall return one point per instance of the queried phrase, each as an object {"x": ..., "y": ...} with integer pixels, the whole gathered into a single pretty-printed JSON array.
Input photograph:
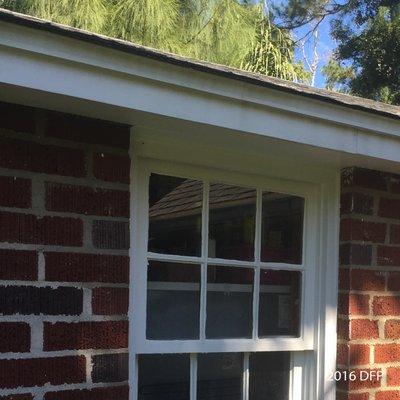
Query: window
[{"x": 223, "y": 279}]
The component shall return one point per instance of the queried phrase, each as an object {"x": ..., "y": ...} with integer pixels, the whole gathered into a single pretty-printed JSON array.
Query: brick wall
[
  {"x": 369, "y": 280},
  {"x": 64, "y": 267}
]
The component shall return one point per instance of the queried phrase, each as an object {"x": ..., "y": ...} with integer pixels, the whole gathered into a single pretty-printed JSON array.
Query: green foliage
[
  {"x": 236, "y": 33},
  {"x": 337, "y": 76},
  {"x": 368, "y": 36},
  {"x": 272, "y": 53}
]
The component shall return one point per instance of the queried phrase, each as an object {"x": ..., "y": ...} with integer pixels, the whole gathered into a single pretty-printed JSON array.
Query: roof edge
[{"x": 353, "y": 102}]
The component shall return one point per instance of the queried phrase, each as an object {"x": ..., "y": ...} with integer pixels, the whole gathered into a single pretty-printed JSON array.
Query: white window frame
[{"x": 308, "y": 364}]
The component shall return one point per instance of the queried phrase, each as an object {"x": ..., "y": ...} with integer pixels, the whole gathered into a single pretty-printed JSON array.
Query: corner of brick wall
[
  {"x": 64, "y": 266},
  {"x": 369, "y": 284}
]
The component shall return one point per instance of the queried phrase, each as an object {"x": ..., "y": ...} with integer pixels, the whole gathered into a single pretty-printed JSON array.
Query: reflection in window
[
  {"x": 231, "y": 222},
  {"x": 164, "y": 377},
  {"x": 282, "y": 228},
  {"x": 269, "y": 376},
  {"x": 173, "y": 301},
  {"x": 220, "y": 376},
  {"x": 279, "y": 303},
  {"x": 175, "y": 206},
  {"x": 229, "y": 302}
]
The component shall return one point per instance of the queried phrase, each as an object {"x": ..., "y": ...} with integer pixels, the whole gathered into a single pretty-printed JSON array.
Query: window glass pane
[
  {"x": 269, "y": 376},
  {"x": 220, "y": 376},
  {"x": 279, "y": 308},
  {"x": 173, "y": 301},
  {"x": 164, "y": 377},
  {"x": 229, "y": 302},
  {"x": 175, "y": 206},
  {"x": 231, "y": 222},
  {"x": 282, "y": 228}
]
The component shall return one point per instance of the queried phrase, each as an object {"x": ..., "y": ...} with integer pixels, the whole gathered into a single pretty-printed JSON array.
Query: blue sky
[{"x": 325, "y": 44}]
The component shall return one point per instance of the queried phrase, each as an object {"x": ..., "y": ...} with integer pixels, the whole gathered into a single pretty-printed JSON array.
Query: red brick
[
  {"x": 28, "y": 228},
  {"x": 358, "y": 396},
  {"x": 110, "y": 301},
  {"x": 356, "y": 203},
  {"x": 389, "y": 208},
  {"x": 18, "y": 265},
  {"x": 367, "y": 280},
  {"x": 363, "y": 329},
  {"x": 111, "y": 167},
  {"x": 388, "y": 395},
  {"x": 385, "y": 353},
  {"x": 342, "y": 354},
  {"x": 355, "y": 254},
  {"x": 388, "y": 256},
  {"x": 87, "y": 130},
  {"x": 360, "y": 383},
  {"x": 360, "y": 230},
  {"x": 352, "y": 396},
  {"x": 80, "y": 267},
  {"x": 344, "y": 278},
  {"x": 343, "y": 328},
  {"x": 31, "y": 156},
  {"x": 365, "y": 178},
  {"x": 343, "y": 304},
  {"x": 33, "y": 300},
  {"x": 359, "y": 354},
  {"x": 110, "y": 367},
  {"x": 15, "y": 337},
  {"x": 41, "y": 371},
  {"x": 15, "y": 192},
  {"x": 87, "y": 200},
  {"x": 85, "y": 335},
  {"x": 386, "y": 305},
  {"x": 110, "y": 235},
  {"x": 17, "y": 118},
  {"x": 392, "y": 329},
  {"x": 393, "y": 281},
  {"x": 358, "y": 304},
  {"x": 395, "y": 234},
  {"x": 393, "y": 376},
  {"x": 104, "y": 393}
]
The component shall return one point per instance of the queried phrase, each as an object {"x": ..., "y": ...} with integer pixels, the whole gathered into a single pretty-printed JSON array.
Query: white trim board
[
  {"x": 323, "y": 251},
  {"x": 53, "y": 64}
]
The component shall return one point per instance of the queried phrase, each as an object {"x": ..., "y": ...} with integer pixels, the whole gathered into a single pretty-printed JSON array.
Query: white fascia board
[{"x": 52, "y": 63}]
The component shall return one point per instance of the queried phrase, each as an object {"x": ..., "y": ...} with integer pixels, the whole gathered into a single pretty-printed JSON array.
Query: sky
[{"x": 325, "y": 44}]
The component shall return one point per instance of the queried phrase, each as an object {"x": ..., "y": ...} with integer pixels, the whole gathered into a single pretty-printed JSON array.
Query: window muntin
[
  {"x": 231, "y": 227},
  {"x": 228, "y": 376},
  {"x": 302, "y": 349}
]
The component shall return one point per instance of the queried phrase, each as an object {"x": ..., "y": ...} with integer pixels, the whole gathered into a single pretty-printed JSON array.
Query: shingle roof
[
  {"x": 187, "y": 198},
  {"x": 228, "y": 72}
]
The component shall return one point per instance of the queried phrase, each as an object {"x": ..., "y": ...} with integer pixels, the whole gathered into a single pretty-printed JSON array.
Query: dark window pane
[
  {"x": 282, "y": 228},
  {"x": 220, "y": 376},
  {"x": 269, "y": 376},
  {"x": 229, "y": 302},
  {"x": 279, "y": 308},
  {"x": 173, "y": 301},
  {"x": 231, "y": 222},
  {"x": 164, "y": 377},
  {"x": 175, "y": 206}
]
